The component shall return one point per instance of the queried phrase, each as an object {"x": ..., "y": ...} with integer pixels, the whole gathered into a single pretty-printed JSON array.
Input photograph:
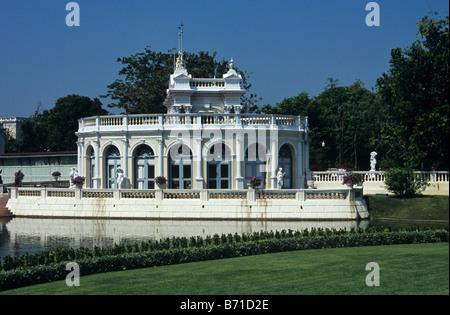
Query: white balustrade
[{"x": 168, "y": 121}]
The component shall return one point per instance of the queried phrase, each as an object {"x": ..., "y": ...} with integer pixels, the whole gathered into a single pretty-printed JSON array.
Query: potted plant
[
  {"x": 358, "y": 179},
  {"x": 255, "y": 182},
  {"x": 160, "y": 181},
  {"x": 56, "y": 175},
  {"x": 78, "y": 181},
  {"x": 18, "y": 176},
  {"x": 349, "y": 180}
]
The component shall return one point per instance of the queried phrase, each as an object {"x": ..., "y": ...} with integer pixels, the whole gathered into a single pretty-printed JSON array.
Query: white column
[
  {"x": 96, "y": 179},
  {"x": 160, "y": 156},
  {"x": 199, "y": 178},
  {"x": 301, "y": 171},
  {"x": 80, "y": 158},
  {"x": 238, "y": 161},
  {"x": 274, "y": 160},
  {"x": 125, "y": 155}
]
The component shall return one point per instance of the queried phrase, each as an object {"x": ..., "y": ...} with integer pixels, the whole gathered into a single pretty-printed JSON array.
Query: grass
[
  {"x": 418, "y": 208},
  {"x": 404, "y": 269}
]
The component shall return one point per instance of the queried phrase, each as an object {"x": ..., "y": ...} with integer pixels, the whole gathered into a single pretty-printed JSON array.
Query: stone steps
[{"x": 4, "y": 211}]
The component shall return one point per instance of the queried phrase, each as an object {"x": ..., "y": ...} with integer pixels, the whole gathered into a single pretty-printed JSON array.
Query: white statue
[
  {"x": 120, "y": 178},
  {"x": 373, "y": 161},
  {"x": 73, "y": 174},
  {"x": 280, "y": 176}
]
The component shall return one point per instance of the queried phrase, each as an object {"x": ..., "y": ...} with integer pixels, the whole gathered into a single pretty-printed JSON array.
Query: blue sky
[{"x": 287, "y": 46}]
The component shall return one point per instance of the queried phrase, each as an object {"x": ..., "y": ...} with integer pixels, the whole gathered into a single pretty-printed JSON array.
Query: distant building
[
  {"x": 12, "y": 125},
  {"x": 2, "y": 139},
  {"x": 37, "y": 166}
]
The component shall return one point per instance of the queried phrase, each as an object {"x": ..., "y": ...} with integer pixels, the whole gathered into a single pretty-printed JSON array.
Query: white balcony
[{"x": 191, "y": 121}]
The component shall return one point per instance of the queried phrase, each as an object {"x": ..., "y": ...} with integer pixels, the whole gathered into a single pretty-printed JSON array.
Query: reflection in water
[{"x": 33, "y": 235}]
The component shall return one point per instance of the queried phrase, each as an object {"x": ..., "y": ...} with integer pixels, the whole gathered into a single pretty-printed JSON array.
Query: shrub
[
  {"x": 160, "y": 180},
  {"x": 255, "y": 182},
  {"x": 403, "y": 183}
]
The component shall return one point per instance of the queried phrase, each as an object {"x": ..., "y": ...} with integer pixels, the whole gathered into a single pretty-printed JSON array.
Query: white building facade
[{"x": 203, "y": 142}]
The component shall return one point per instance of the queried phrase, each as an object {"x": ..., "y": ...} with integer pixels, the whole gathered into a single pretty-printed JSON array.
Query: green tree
[
  {"x": 415, "y": 93},
  {"x": 341, "y": 117},
  {"x": 145, "y": 77},
  {"x": 62, "y": 120},
  {"x": 54, "y": 129},
  {"x": 403, "y": 183}
]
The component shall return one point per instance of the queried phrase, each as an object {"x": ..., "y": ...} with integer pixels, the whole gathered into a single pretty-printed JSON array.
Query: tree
[
  {"x": 341, "y": 117},
  {"x": 403, "y": 183},
  {"x": 61, "y": 121},
  {"x": 415, "y": 92},
  {"x": 54, "y": 129},
  {"x": 146, "y": 77}
]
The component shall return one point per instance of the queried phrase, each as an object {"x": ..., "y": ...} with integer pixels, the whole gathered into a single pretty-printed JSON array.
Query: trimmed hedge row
[
  {"x": 126, "y": 261},
  {"x": 70, "y": 254}
]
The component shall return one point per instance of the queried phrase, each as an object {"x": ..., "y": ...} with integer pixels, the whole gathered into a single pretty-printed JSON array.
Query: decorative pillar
[
  {"x": 239, "y": 159},
  {"x": 96, "y": 180},
  {"x": 301, "y": 171},
  {"x": 161, "y": 156},
  {"x": 81, "y": 158},
  {"x": 199, "y": 178},
  {"x": 125, "y": 154},
  {"x": 274, "y": 164}
]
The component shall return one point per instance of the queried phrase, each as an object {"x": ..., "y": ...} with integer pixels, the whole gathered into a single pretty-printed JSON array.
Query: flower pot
[{"x": 161, "y": 186}]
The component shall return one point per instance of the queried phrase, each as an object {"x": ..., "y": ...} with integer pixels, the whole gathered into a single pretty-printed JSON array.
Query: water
[{"x": 33, "y": 235}]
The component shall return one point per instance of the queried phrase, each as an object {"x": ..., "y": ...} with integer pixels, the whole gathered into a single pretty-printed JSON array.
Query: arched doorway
[
  {"x": 144, "y": 167},
  {"x": 219, "y": 167},
  {"x": 255, "y": 163},
  {"x": 285, "y": 162},
  {"x": 180, "y": 167},
  {"x": 112, "y": 163}
]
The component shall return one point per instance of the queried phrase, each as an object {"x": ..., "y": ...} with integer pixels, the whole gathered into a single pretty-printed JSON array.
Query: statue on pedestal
[
  {"x": 73, "y": 174},
  {"x": 280, "y": 176},
  {"x": 373, "y": 161},
  {"x": 122, "y": 180}
]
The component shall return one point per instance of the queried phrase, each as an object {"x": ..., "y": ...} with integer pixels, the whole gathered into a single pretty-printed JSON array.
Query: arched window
[
  {"x": 219, "y": 167},
  {"x": 144, "y": 167},
  {"x": 255, "y": 163},
  {"x": 285, "y": 162},
  {"x": 112, "y": 162},
  {"x": 180, "y": 167}
]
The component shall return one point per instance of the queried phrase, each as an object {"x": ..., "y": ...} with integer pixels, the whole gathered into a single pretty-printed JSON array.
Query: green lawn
[
  {"x": 404, "y": 269},
  {"x": 419, "y": 208}
]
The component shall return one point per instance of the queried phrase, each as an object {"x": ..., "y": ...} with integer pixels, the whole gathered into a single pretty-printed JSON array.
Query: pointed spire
[
  {"x": 231, "y": 63},
  {"x": 180, "y": 61}
]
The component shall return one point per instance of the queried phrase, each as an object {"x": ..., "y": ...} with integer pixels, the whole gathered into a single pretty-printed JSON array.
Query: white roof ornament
[
  {"x": 180, "y": 61},
  {"x": 231, "y": 72}
]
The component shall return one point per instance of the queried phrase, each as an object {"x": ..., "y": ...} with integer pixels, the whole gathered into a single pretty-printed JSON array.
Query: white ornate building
[
  {"x": 204, "y": 141},
  {"x": 208, "y": 150}
]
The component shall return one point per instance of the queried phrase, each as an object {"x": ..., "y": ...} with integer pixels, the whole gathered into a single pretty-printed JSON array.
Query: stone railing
[
  {"x": 195, "y": 120},
  {"x": 373, "y": 182},
  {"x": 207, "y": 83},
  {"x": 204, "y": 195}
]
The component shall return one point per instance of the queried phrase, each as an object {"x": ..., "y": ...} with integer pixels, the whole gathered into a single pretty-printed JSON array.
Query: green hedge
[
  {"x": 226, "y": 247},
  {"x": 70, "y": 254}
]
